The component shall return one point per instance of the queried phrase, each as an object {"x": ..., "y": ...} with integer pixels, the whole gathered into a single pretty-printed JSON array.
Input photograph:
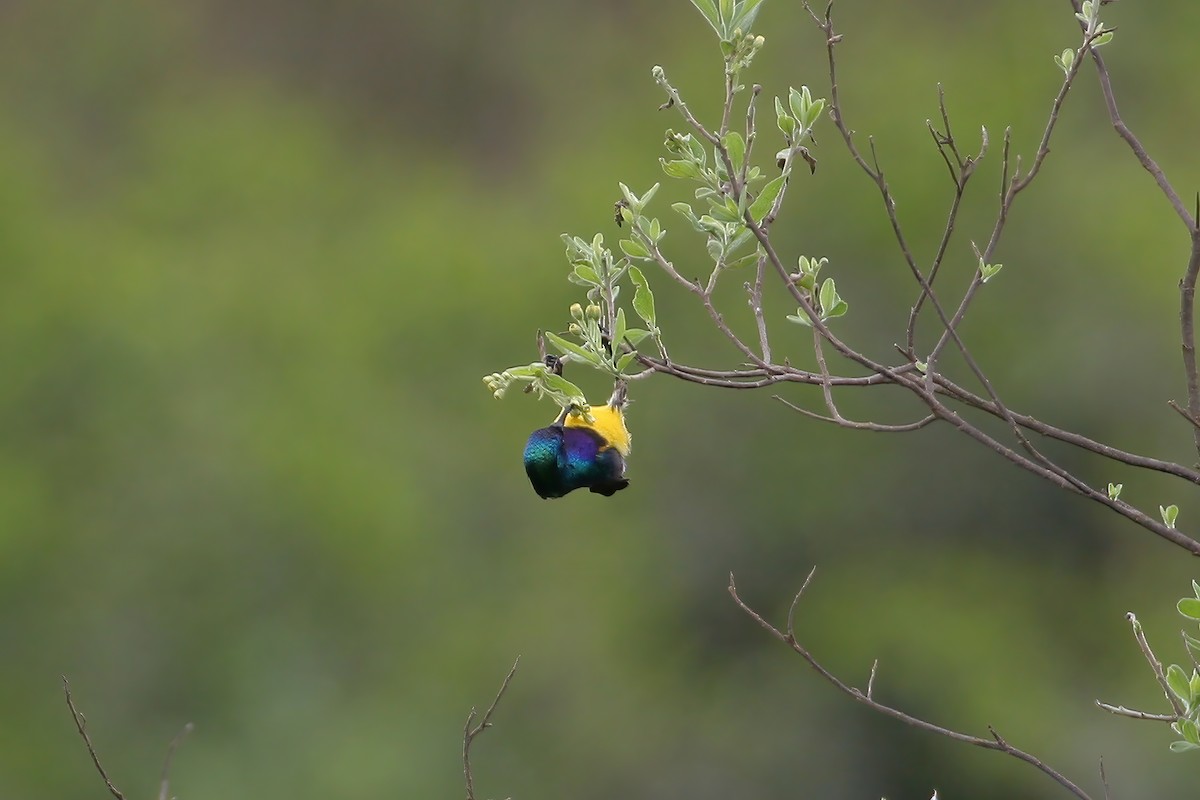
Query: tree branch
[
  {"x": 470, "y": 731},
  {"x": 996, "y": 742},
  {"x": 81, "y": 726}
]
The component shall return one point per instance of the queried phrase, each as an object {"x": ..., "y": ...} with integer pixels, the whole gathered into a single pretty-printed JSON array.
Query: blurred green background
[{"x": 256, "y": 258}]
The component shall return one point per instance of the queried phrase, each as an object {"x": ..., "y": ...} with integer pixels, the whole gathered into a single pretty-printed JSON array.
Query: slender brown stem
[
  {"x": 471, "y": 730},
  {"x": 995, "y": 742},
  {"x": 81, "y": 726},
  {"x": 1155, "y": 665}
]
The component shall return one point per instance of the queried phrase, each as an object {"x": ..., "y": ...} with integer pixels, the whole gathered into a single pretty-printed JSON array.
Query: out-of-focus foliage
[{"x": 253, "y": 261}]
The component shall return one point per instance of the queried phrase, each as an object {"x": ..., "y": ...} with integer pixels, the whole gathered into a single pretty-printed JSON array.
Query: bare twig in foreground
[
  {"x": 81, "y": 726},
  {"x": 471, "y": 730},
  {"x": 995, "y": 742},
  {"x": 164, "y": 788}
]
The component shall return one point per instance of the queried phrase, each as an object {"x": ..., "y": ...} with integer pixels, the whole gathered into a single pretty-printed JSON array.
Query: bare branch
[
  {"x": 1122, "y": 711},
  {"x": 1187, "y": 286},
  {"x": 1155, "y": 665},
  {"x": 996, "y": 742},
  {"x": 81, "y": 726},
  {"x": 842, "y": 422},
  {"x": 1187, "y": 333},
  {"x": 164, "y": 787},
  {"x": 1135, "y": 144},
  {"x": 470, "y": 731}
]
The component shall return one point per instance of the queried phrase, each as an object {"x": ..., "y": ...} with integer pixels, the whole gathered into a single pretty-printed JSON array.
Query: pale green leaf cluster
[
  {"x": 1094, "y": 33},
  {"x": 1185, "y": 686},
  {"x": 823, "y": 295}
]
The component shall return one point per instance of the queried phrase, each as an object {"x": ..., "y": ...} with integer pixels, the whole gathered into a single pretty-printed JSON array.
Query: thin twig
[
  {"x": 485, "y": 722},
  {"x": 164, "y": 787},
  {"x": 842, "y": 422},
  {"x": 81, "y": 726},
  {"x": 1187, "y": 333},
  {"x": 1072, "y": 438},
  {"x": 756, "y": 305},
  {"x": 1122, "y": 711},
  {"x": 1155, "y": 665},
  {"x": 1187, "y": 285},
  {"x": 997, "y": 743}
]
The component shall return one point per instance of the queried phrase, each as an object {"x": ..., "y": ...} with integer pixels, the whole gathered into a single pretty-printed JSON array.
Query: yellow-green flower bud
[
  {"x": 576, "y": 311},
  {"x": 575, "y": 329},
  {"x": 592, "y": 311}
]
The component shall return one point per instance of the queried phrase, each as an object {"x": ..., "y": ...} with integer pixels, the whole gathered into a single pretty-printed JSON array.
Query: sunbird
[{"x": 573, "y": 453}]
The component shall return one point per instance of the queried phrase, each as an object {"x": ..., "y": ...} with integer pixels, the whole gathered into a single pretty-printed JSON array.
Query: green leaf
[
  {"x": 643, "y": 298},
  {"x": 560, "y": 384},
  {"x": 800, "y": 318},
  {"x": 798, "y": 103},
  {"x": 537, "y": 368},
  {"x": 1196, "y": 587},
  {"x": 686, "y": 211},
  {"x": 680, "y": 169},
  {"x": 724, "y": 211},
  {"x": 630, "y": 197},
  {"x": 709, "y": 9},
  {"x": 1169, "y": 514},
  {"x": 1192, "y": 642},
  {"x": 815, "y": 110},
  {"x": 736, "y": 147},
  {"x": 565, "y": 346},
  {"x": 766, "y": 198},
  {"x": 839, "y": 309},
  {"x": 1182, "y": 747},
  {"x": 746, "y": 15},
  {"x": 1190, "y": 608},
  {"x": 1065, "y": 60},
  {"x": 633, "y": 248},
  {"x": 784, "y": 120},
  {"x": 739, "y": 240},
  {"x": 716, "y": 250},
  {"x": 719, "y": 166},
  {"x": 726, "y": 15},
  {"x": 636, "y": 336},
  {"x": 828, "y": 295},
  {"x": 1102, "y": 39},
  {"x": 625, "y": 360},
  {"x": 619, "y": 334},
  {"x": 584, "y": 276},
  {"x": 711, "y": 226},
  {"x": 1180, "y": 685},
  {"x": 1189, "y": 730},
  {"x": 1114, "y": 490},
  {"x": 649, "y": 195}
]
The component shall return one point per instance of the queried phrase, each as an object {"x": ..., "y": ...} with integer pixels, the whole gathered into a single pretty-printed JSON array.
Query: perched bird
[{"x": 573, "y": 453}]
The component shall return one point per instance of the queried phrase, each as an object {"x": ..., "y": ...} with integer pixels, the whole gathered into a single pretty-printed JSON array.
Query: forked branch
[
  {"x": 867, "y": 698},
  {"x": 472, "y": 730}
]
